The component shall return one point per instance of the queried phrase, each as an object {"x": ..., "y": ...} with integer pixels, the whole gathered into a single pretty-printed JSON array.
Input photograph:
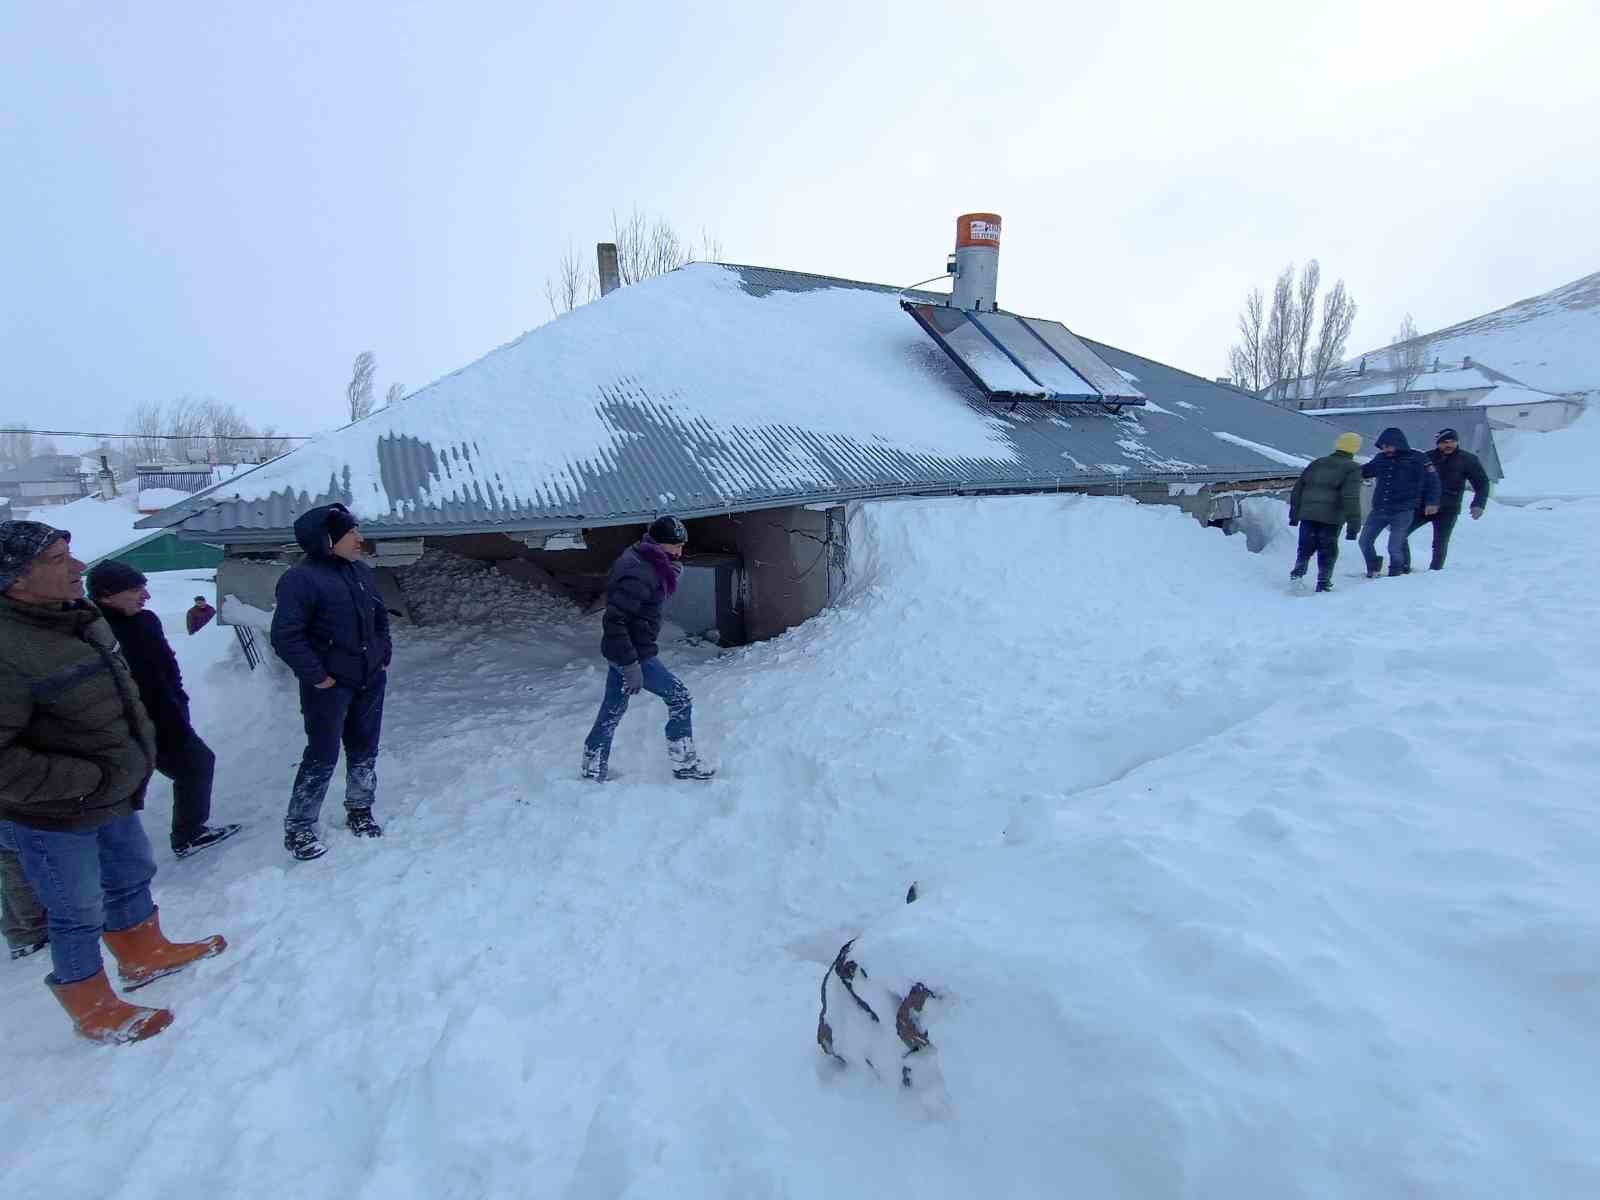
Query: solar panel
[
  {"x": 1021, "y": 357},
  {"x": 1104, "y": 378},
  {"x": 974, "y": 353},
  {"x": 1036, "y": 358}
]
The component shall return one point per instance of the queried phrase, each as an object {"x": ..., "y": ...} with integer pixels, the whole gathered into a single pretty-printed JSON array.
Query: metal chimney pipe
[
  {"x": 610, "y": 277},
  {"x": 977, "y": 257}
]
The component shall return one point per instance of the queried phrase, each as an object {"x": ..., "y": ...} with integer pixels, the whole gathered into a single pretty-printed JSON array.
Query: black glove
[
  {"x": 1293, "y": 521},
  {"x": 1350, "y": 532},
  {"x": 632, "y": 678}
]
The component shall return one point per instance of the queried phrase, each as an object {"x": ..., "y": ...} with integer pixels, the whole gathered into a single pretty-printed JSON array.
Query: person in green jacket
[
  {"x": 76, "y": 751},
  {"x": 1327, "y": 495}
]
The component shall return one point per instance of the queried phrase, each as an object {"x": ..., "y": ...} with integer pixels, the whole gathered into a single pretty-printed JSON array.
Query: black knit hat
[
  {"x": 340, "y": 522},
  {"x": 668, "y": 531},
  {"x": 20, "y": 543},
  {"x": 1446, "y": 435},
  {"x": 110, "y": 577}
]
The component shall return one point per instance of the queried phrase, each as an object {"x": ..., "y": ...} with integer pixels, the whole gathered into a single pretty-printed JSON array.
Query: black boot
[
  {"x": 1324, "y": 585},
  {"x": 32, "y": 948},
  {"x": 304, "y": 844},
  {"x": 209, "y": 835},
  {"x": 1299, "y": 569},
  {"x": 1374, "y": 568},
  {"x": 361, "y": 823}
]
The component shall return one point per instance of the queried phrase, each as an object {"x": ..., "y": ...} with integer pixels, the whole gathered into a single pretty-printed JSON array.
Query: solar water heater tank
[{"x": 977, "y": 262}]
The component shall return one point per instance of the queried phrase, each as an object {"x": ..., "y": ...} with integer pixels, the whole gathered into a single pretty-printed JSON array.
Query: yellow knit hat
[{"x": 1348, "y": 442}]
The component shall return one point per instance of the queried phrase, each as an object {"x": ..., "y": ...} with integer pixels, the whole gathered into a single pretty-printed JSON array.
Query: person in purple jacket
[{"x": 644, "y": 576}]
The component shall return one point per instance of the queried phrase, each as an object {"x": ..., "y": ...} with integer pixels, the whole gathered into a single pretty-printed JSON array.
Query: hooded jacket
[
  {"x": 76, "y": 747},
  {"x": 329, "y": 619},
  {"x": 635, "y": 592},
  {"x": 1406, "y": 479}
]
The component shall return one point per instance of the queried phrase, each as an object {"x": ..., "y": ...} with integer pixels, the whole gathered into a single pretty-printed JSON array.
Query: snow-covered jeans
[
  {"x": 88, "y": 882},
  {"x": 334, "y": 716},
  {"x": 1398, "y": 522},
  {"x": 658, "y": 680}
]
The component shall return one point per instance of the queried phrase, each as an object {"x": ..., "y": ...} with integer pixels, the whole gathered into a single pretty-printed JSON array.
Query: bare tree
[
  {"x": 393, "y": 395},
  {"x": 359, "y": 390},
  {"x": 575, "y": 283},
  {"x": 1305, "y": 317},
  {"x": 1338, "y": 314},
  {"x": 1408, "y": 355},
  {"x": 1246, "y": 359},
  {"x": 17, "y": 447},
  {"x": 195, "y": 429},
  {"x": 1281, "y": 322}
]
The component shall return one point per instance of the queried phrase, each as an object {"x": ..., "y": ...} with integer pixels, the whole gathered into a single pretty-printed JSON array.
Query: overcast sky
[{"x": 234, "y": 199}]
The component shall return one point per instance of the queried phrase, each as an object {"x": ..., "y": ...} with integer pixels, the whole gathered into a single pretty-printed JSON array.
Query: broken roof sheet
[{"x": 716, "y": 389}]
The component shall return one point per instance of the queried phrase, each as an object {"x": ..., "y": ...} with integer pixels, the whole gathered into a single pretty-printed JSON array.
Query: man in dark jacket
[
  {"x": 199, "y": 616},
  {"x": 1327, "y": 495},
  {"x": 118, "y": 590},
  {"x": 641, "y": 580},
  {"x": 1457, "y": 468},
  {"x": 332, "y": 629},
  {"x": 1407, "y": 483},
  {"x": 76, "y": 751}
]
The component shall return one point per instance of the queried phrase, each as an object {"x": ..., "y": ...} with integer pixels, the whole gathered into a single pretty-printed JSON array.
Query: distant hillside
[{"x": 1549, "y": 341}]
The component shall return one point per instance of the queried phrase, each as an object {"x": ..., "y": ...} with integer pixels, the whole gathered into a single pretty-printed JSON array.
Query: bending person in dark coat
[
  {"x": 1407, "y": 484},
  {"x": 641, "y": 580},
  {"x": 1457, "y": 468},
  {"x": 1327, "y": 495},
  {"x": 332, "y": 629},
  {"x": 118, "y": 590}
]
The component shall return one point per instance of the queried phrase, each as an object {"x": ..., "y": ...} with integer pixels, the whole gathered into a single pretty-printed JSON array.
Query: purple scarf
[{"x": 666, "y": 568}]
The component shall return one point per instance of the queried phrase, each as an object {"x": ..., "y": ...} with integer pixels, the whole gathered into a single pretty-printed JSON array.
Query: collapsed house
[{"x": 757, "y": 405}]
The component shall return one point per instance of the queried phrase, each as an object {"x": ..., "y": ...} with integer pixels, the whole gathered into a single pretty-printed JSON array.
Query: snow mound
[
  {"x": 1222, "y": 891},
  {"x": 1564, "y": 463},
  {"x": 446, "y": 589}
]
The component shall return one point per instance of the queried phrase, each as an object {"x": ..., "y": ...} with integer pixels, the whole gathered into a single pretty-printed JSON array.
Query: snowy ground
[
  {"x": 1562, "y": 464},
  {"x": 1227, "y": 892}
]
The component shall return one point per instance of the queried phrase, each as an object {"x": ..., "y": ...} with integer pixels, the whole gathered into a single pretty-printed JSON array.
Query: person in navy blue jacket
[
  {"x": 641, "y": 580},
  {"x": 1407, "y": 484},
  {"x": 332, "y": 629}
]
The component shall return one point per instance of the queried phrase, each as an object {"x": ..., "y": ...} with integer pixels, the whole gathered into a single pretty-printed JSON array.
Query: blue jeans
[
  {"x": 658, "y": 680},
  {"x": 1398, "y": 522},
  {"x": 88, "y": 882},
  {"x": 333, "y": 717}
]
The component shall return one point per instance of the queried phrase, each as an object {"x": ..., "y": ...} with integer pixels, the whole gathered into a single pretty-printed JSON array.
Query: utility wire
[{"x": 171, "y": 437}]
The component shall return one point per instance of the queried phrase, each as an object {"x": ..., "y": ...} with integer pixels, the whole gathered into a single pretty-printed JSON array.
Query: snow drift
[{"x": 1222, "y": 891}]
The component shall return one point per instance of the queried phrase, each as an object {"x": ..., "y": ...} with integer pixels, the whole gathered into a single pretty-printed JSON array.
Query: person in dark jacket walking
[
  {"x": 1457, "y": 468},
  {"x": 119, "y": 592},
  {"x": 76, "y": 751},
  {"x": 1327, "y": 495},
  {"x": 641, "y": 580},
  {"x": 331, "y": 627},
  {"x": 199, "y": 616},
  {"x": 1407, "y": 483}
]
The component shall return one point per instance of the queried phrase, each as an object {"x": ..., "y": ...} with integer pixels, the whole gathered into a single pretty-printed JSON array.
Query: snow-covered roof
[
  {"x": 1380, "y": 382},
  {"x": 717, "y": 389}
]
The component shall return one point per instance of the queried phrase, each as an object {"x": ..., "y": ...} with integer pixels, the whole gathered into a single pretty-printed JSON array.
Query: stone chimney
[{"x": 610, "y": 277}]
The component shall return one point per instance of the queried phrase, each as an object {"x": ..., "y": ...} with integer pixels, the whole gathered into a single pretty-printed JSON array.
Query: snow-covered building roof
[
  {"x": 717, "y": 389},
  {"x": 1378, "y": 383}
]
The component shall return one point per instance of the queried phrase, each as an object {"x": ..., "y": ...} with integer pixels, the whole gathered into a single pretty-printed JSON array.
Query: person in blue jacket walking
[
  {"x": 1407, "y": 484},
  {"x": 332, "y": 629},
  {"x": 642, "y": 579}
]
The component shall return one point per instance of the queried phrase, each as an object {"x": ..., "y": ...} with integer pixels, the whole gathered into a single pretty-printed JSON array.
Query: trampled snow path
[{"x": 536, "y": 987}]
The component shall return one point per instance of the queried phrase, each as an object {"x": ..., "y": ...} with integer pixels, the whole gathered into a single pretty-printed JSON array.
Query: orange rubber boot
[
  {"x": 144, "y": 954},
  {"x": 101, "y": 1016}
]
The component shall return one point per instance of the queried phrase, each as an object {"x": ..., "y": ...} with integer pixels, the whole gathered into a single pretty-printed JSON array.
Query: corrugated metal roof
[
  {"x": 662, "y": 458},
  {"x": 1422, "y": 425}
]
